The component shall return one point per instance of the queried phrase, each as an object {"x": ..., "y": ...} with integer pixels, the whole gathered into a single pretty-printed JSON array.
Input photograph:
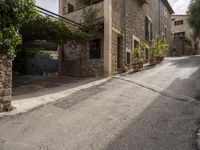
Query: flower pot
[
  {"x": 152, "y": 62},
  {"x": 157, "y": 60},
  {"x": 137, "y": 66}
]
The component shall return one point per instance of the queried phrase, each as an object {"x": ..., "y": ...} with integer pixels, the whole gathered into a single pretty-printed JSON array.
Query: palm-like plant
[{"x": 158, "y": 48}]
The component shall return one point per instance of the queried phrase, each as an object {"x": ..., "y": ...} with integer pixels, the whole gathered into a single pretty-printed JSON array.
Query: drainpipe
[
  {"x": 159, "y": 17},
  {"x": 107, "y": 37},
  {"x": 125, "y": 38}
]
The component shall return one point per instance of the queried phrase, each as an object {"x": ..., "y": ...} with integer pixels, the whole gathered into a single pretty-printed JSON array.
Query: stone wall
[
  {"x": 71, "y": 65},
  {"x": 89, "y": 68},
  {"x": 134, "y": 24},
  {"x": 130, "y": 24},
  {"x": 115, "y": 69},
  {"x": 165, "y": 21},
  {"x": 180, "y": 48},
  {"x": 182, "y": 28},
  {"x": 77, "y": 15},
  {"x": 5, "y": 83}
]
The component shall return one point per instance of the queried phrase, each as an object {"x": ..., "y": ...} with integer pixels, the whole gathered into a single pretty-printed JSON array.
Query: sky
[{"x": 179, "y": 6}]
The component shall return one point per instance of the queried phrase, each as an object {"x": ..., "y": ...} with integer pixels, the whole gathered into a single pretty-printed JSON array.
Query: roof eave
[{"x": 168, "y": 6}]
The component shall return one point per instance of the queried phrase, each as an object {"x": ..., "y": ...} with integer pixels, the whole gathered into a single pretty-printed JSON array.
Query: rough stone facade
[
  {"x": 89, "y": 68},
  {"x": 77, "y": 62},
  {"x": 182, "y": 28},
  {"x": 5, "y": 83},
  {"x": 116, "y": 68},
  {"x": 128, "y": 19},
  {"x": 180, "y": 48},
  {"x": 77, "y": 15},
  {"x": 128, "y": 23}
]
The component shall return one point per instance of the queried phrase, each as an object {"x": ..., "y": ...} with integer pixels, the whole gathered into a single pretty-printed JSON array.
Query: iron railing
[
  {"x": 58, "y": 17},
  {"x": 71, "y": 7}
]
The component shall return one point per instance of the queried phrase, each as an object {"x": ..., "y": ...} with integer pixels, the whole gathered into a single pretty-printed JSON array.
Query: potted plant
[
  {"x": 162, "y": 49},
  {"x": 137, "y": 61},
  {"x": 157, "y": 50}
]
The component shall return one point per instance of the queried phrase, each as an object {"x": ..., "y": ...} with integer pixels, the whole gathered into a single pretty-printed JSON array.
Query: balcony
[
  {"x": 77, "y": 5},
  {"x": 74, "y": 11}
]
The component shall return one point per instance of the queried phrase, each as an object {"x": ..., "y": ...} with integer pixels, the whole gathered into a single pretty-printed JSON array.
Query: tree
[
  {"x": 13, "y": 14},
  {"x": 194, "y": 16}
]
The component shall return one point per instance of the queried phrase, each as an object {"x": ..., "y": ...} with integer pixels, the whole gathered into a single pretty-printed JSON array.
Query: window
[
  {"x": 165, "y": 32},
  {"x": 179, "y": 22},
  {"x": 119, "y": 50},
  {"x": 95, "y": 49},
  {"x": 178, "y": 34},
  {"x": 128, "y": 58},
  {"x": 148, "y": 29},
  {"x": 70, "y": 8},
  {"x": 157, "y": 38},
  {"x": 136, "y": 44},
  {"x": 147, "y": 54},
  {"x": 165, "y": 12}
]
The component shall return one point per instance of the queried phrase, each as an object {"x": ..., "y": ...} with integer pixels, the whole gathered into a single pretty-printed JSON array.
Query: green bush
[
  {"x": 13, "y": 14},
  {"x": 138, "y": 53},
  {"x": 158, "y": 48}
]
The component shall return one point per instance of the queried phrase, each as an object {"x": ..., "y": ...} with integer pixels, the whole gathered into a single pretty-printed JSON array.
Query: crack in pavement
[{"x": 157, "y": 89}]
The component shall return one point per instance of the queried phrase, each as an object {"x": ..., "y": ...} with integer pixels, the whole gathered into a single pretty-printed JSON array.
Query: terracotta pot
[
  {"x": 152, "y": 62},
  {"x": 137, "y": 66}
]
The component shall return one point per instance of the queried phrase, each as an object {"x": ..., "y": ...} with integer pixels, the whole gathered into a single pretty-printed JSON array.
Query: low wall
[
  {"x": 5, "y": 83},
  {"x": 41, "y": 66},
  {"x": 89, "y": 68}
]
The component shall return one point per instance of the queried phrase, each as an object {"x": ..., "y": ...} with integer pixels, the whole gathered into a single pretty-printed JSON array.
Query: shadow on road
[
  {"x": 173, "y": 127},
  {"x": 33, "y": 86},
  {"x": 184, "y": 62}
]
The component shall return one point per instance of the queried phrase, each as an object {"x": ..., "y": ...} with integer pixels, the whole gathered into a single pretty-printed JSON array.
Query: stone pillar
[
  {"x": 107, "y": 37},
  {"x": 61, "y": 7},
  {"x": 5, "y": 83}
]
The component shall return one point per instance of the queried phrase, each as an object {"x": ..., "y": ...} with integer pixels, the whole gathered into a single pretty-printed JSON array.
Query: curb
[
  {"x": 157, "y": 89},
  {"x": 198, "y": 137},
  {"x": 28, "y": 104},
  {"x": 146, "y": 67}
]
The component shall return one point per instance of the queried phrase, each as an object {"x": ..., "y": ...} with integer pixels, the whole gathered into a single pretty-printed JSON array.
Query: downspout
[
  {"x": 124, "y": 60},
  {"x": 159, "y": 17},
  {"x": 107, "y": 37}
]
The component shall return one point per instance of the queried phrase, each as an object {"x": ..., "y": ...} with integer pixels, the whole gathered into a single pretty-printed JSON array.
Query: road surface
[{"x": 117, "y": 115}]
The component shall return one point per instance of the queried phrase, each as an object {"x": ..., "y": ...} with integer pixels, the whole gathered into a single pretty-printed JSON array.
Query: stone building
[
  {"x": 126, "y": 23},
  {"x": 181, "y": 28},
  {"x": 5, "y": 83}
]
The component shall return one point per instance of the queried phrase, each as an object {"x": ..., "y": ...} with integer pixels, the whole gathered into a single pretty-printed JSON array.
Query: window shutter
[
  {"x": 151, "y": 30},
  {"x": 146, "y": 28}
]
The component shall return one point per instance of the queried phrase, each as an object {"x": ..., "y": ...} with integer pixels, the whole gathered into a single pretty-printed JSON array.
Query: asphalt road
[{"x": 117, "y": 115}]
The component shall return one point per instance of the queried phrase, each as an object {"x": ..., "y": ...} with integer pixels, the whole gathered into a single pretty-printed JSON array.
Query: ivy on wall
[
  {"x": 21, "y": 22},
  {"x": 45, "y": 28},
  {"x": 13, "y": 14}
]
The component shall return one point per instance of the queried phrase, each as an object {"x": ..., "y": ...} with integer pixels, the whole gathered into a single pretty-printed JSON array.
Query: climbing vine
[
  {"x": 91, "y": 20},
  {"x": 13, "y": 14},
  {"x": 20, "y": 22},
  {"x": 45, "y": 28}
]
